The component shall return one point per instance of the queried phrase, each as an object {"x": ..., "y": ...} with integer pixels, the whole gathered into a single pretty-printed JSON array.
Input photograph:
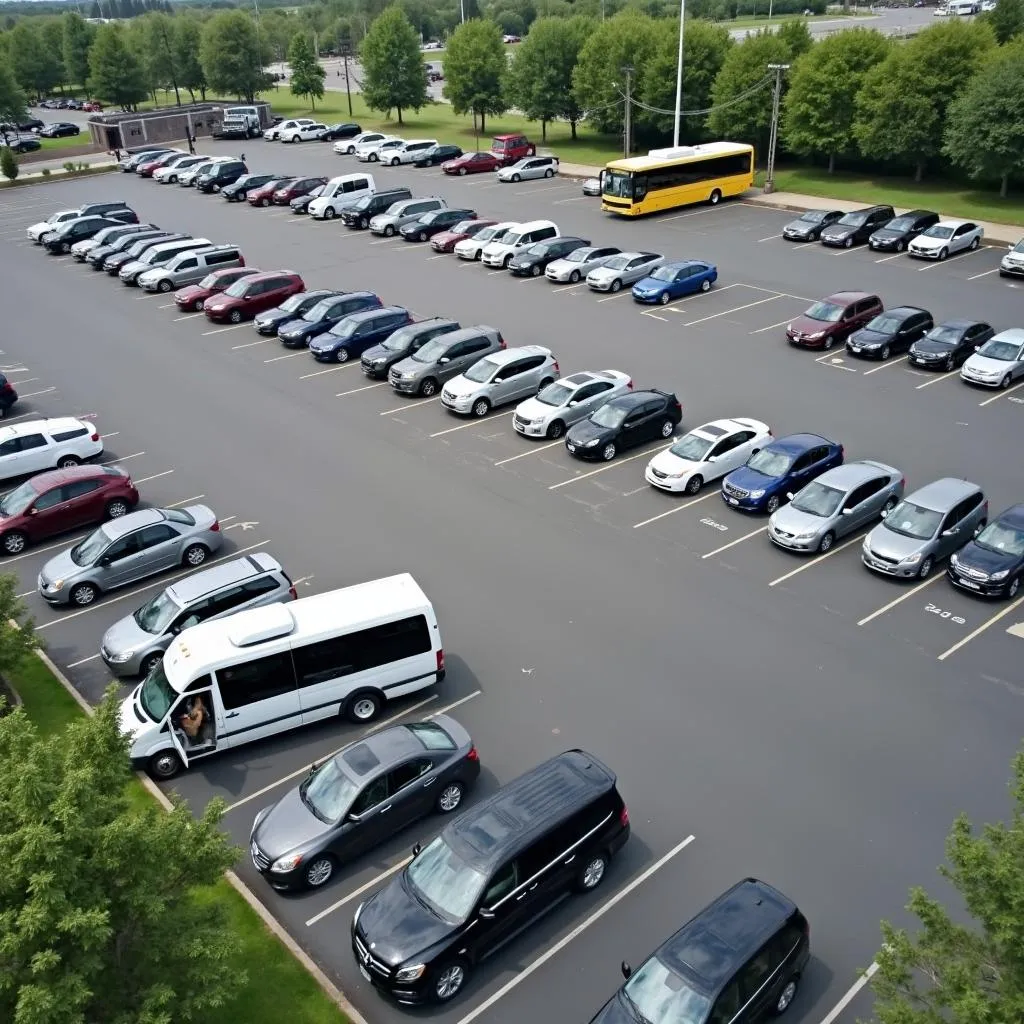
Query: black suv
[
  {"x": 857, "y": 227},
  {"x": 364, "y": 210},
  {"x": 434, "y": 223},
  {"x": 377, "y": 361},
  {"x": 491, "y": 872},
  {"x": 739, "y": 961},
  {"x": 534, "y": 259},
  {"x": 899, "y": 233},
  {"x": 77, "y": 230},
  {"x": 625, "y": 422},
  {"x": 223, "y": 174},
  {"x": 236, "y": 191},
  {"x": 895, "y": 330}
]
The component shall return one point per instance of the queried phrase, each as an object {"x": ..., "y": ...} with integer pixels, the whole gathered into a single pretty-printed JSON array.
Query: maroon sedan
[
  {"x": 471, "y": 163},
  {"x": 264, "y": 195},
  {"x": 251, "y": 295},
  {"x": 193, "y": 297},
  {"x": 299, "y": 187},
  {"x": 146, "y": 170},
  {"x": 62, "y": 500},
  {"x": 833, "y": 319},
  {"x": 447, "y": 240}
]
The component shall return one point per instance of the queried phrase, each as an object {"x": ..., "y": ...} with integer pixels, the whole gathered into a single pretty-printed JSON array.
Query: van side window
[
  {"x": 754, "y": 974},
  {"x": 257, "y": 680},
  {"x": 202, "y": 683},
  {"x": 263, "y": 585},
  {"x": 328, "y": 659},
  {"x": 727, "y": 1005},
  {"x": 505, "y": 880}
]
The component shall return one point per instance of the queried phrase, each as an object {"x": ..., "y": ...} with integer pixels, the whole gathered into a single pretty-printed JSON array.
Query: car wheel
[
  {"x": 950, "y": 364},
  {"x": 848, "y": 242},
  {"x": 364, "y": 707},
  {"x": 264, "y": 202},
  {"x": 592, "y": 873},
  {"x": 329, "y": 213},
  {"x": 715, "y": 198},
  {"x": 117, "y": 508},
  {"x": 943, "y": 253},
  {"x": 449, "y": 981},
  {"x": 389, "y": 231},
  {"x": 319, "y": 871},
  {"x": 884, "y": 354},
  {"x": 14, "y": 542},
  {"x": 772, "y": 504},
  {"x": 422, "y": 236},
  {"x": 1006, "y": 381},
  {"x": 665, "y": 298},
  {"x": 164, "y": 286},
  {"x": 198, "y": 305},
  {"x": 616, "y": 285},
  {"x": 926, "y": 568},
  {"x": 785, "y": 998},
  {"x": 826, "y": 542},
  {"x": 450, "y": 797},
  {"x": 67, "y": 461},
  {"x": 195, "y": 554},
  {"x": 516, "y": 178},
  {"x": 164, "y": 765},
  {"x": 549, "y": 173},
  {"x": 462, "y": 170},
  {"x": 236, "y": 316},
  {"x": 535, "y": 271},
  {"x": 667, "y": 429},
  {"x": 900, "y": 247},
  {"x": 395, "y": 162},
  {"x": 65, "y": 247},
  {"x": 428, "y": 387},
  {"x": 83, "y": 594},
  {"x": 574, "y": 277},
  {"x": 481, "y": 407},
  {"x": 829, "y": 342},
  {"x": 149, "y": 663},
  {"x": 694, "y": 484},
  {"x": 705, "y": 285},
  {"x": 173, "y": 179},
  {"x": 350, "y": 150},
  {"x": 608, "y": 452},
  {"x": 975, "y": 242},
  {"x": 1011, "y": 590},
  {"x": 373, "y": 158},
  {"x": 556, "y": 430}
]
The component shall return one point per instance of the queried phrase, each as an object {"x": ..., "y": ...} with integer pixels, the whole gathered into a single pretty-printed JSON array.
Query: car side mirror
[
  {"x": 627, "y": 971},
  {"x": 573, "y": 402},
  {"x": 313, "y": 767},
  {"x": 755, "y": 451},
  {"x": 847, "y": 511},
  {"x": 951, "y": 532},
  {"x": 789, "y": 495},
  {"x": 712, "y": 458},
  {"x": 417, "y": 850},
  {"x": 33, "y": 511},
  {"x": 885, "y": 513},
  {"x": 443, "y": 360},
  {"x": 977, "y": 348},
  {"x": 104, "y": 561},
  {"x": 486, "y": 914}
]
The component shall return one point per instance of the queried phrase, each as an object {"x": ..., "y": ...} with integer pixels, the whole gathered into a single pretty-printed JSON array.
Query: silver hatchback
[
  {"x": 567, "y": 401},
  {"x": 130, "y": 549},
  {"x": 573, "y": 268},
  {"x": 838, "y": 502},
  {"x": 500, "y": 378}
]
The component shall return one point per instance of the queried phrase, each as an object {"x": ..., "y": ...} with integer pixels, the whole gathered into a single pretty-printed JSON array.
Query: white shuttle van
[
  {"x": 270, "y": 669},
  {"x": 340, "y": 192}
]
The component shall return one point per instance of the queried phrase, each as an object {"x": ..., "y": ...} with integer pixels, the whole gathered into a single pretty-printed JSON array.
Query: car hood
[
  {"x": 792, "y": 520},
  {"x": 410, "y": 365},
  {"x": 492, "y": 248},
  {"x": 838, "y": 230},
  {"x": 325, "y": 342},
  {"x": 802, "y": 227},
  {"x": 869, "y": 338},
  {"x": 289, "y": 826},
  {"x": 525, "y": 259},
  {"x": 666, "y": 462},
  {"x": 60, "y": 567},
  {"x": 884, "y": 541},
  {"x": 603, "y": 273},
  {"x": 295, "y": 326},
  {"x": 191, "y": 293},
  {"x": 396, "y": 926},
  {"x": 381, "y": 219},
  {"x": 649, "y": 286},
  {"x": 564, "y": 266},
  {"x": 533, "y": 409},
  {"x": 985, "y": 364},
  {"x": 275, "y": 316},
  {"x": 805, "y": 325},
  {"x": 586, "y": 430},
  {"x": 125, "y": 635},
  {"x": 927, "y": 345},
  {"x": 887, "y": 234},
  {"x": 461, "y": 387},
  {"x": 753, "y": 479},
  {"x": 219, "y": 301},
  {"x": 927, "y": 242},
  {"x": 132, "y": 266},
  {"x": 448, "y": 237},
  {"x": 974, "y": 556},
  {"x": 154, "y": 273}
]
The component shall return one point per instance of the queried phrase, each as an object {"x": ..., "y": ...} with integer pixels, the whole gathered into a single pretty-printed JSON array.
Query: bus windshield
[{"x": 618, "y": 184}]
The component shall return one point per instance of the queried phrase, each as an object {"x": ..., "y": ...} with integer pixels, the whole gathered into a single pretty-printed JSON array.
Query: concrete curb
[{"x": 56, "y": 174}]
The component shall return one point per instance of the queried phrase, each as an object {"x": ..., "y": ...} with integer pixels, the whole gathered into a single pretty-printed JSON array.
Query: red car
[
  {"x": 251, "y": 295},
  {"x": 92, "y": 106},
  {"x": 471, "y": 163},
  {"x": 299, "y": 187},
  {"x": 193, "y": 297},
  {"x": 146, "y": 170},
  {"x": 264, "y": 195},
  {"x": 447, "y": 240},
  {"x": 63, "y": 500},
  {"x": 507, "y": 149},
  {"x": 833, "y": 319}
]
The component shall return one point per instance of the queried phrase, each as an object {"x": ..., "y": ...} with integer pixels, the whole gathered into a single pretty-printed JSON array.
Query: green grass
[
  {"x": 65, "y": 141},
  {"x": 47, "y": 703}
]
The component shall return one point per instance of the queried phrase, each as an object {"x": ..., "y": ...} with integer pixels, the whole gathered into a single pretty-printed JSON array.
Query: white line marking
[
  {"x": 25, "y": 380},
  {"x": 410, "y": 405},
  {"x": 624, "y": 294},
  {"x": 985, "y": 274},
  {"x": 663, "y": 319},
  {"x": 1002, "y": 394},
  {"x": 851, "y": 993},
  {"x": 355, "y": 391},
  {"x": 187, "y": 316},
  {"x": 611, "y": 465},
  {"x": 738, "y": 540},
  {"x": 330, "y": 369},
  {"x": 905, "y": 361},
  {"x": 35, "y": 394},
  {"x": 185, "y": 501},
  {"x": 478, "y": 421},
  {"x": 769, "y": 238},
  {"x": 123, "y": 458},
  {"x": 885, "y": 259},
  {"x": 171, "y": 305},
  {"x": 956, "y": 256},
  {"x": 155, "y": 476},
  {"x": 440, "y": 257},
  {"x": 815, "y": 560},
  {"x": 106, "y": 437},
  {"x": 455, "y": 704},
  {"x": 736, "y": 309},
  {"x": 576, "y": 932},
  {"x": 290, "y": 355},
  {"x": 533, "y": 451},
  {"x": 935, "y": 380},
  {"x": 248, "y": 344},
  {"x": 981, "y": 629},
  {"x": 899, "y": 600},
  {"x": 772, "y": 327},
  {"x": 83, "y": 661},
  {"x": 575, "y": 199},
  {"x": 673, "y": 511},
  {"x": 223, "y": 330},
  {"x": 356, "y": 893}
]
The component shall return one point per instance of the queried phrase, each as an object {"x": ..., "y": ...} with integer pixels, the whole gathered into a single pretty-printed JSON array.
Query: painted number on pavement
[
  {"x": 936, "y": 610},
  {"x": 714, "y": 525}
]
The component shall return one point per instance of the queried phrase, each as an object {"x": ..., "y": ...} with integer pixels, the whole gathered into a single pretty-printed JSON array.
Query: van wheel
[
  {"x": 14, "y": 542},
  {"x": 164, "y": 286},
  {"x": 785, "y": 997},
  {"x": 329, "y": 213},
  {"x": 449, "y": 980},
  {"x": 67, "y": 461},
  {"x": 164, "y": 765},
  {"x": 83, "y": 594},
  {"x": 195, "y": 555},
  {"x": 549, "y": 173},
  {"x": 319, "y": 871},
  {"x": 591, "y": 874},
  {"x": 149, "y": 663},
  {"x": 364, "y": 707},
  {"x": 450, "y": 797}
]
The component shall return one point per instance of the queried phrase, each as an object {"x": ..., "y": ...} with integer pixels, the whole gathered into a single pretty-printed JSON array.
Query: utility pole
[
  {"x": 679, "y": 76},
  {"x": 348, "y": 87},
  {"x": 628, "y": 127},
  {"x": 769, "y": 181}
]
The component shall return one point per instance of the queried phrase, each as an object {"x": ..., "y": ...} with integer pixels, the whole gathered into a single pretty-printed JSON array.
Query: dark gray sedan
[{"x": 360, "y": 797}]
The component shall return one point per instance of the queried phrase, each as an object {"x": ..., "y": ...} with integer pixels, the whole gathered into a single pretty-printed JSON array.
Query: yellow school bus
[{"x": 667, "y": 178}]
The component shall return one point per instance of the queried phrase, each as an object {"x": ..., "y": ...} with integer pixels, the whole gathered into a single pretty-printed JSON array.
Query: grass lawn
[
  {"x": 82, "y": 139},
  {"x": 279, "y": 988}
]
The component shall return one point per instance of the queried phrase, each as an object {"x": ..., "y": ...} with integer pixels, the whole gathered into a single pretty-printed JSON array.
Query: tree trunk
[
  {"x": 177, "y": 94},
  {"x": 919, "y": 171},
  {"x": 483, "y": 122},
  {"x": 202, "y": 93},
  {"x": 572, "y": 129},
  {"x": 1004, "y": 186},
  {"x": 399, "y": 115},
  {"x": 831, "y": 163},
  {"x": 543, "y": 129},
  {"x": 192, "y": 94}
]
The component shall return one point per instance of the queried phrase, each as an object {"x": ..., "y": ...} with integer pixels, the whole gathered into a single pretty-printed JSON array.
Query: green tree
[
  {"x": 393, "y": 75},
  {"x": 971, "y": 971},
  {"x": 629, "y": 39},
  {"x": 115, "y": 73},
  {"x": 13, "y": 102},
  {"x": 277, "y": 28},
  {"x": 901, "y": 107},
  {"x": 821, "y": 102},
  {"x": 123, "y": 936},
  {"x": 186, "y": 42},
  {"x": 8, "y": 163},
  {"x": 540, "y": 78},
  {"x": 76, "y": 38},
  {"x": 51, "y": 33},
  {"x": 797, "y": 36},
  {"x": 1007, "y": 20},
  {"x": 161, "y": 54},
  {"x": 35, "y": 69},
  {"x": 230, "y": 55},
  {"x": 307, "y": 76},
  {"x": 475, "y": 67},
  {"x": 705, "y": 48}
]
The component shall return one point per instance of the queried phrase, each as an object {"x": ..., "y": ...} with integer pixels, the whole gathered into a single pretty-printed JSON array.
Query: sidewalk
[{"x": 56, "y": 167}]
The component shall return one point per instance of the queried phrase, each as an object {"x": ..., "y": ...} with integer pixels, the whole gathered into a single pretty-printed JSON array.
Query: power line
[{"x": 700, "y": 113}]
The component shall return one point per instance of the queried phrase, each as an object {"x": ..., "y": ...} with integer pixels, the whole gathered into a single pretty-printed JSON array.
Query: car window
[
  {"x": 727, "y": 1005},
  {"x": 375, "y": 793},
  {"x": 400, "y": 777},
  {"x": 78, "y": 488},
  {"x": 503, "y": 882},
  {"x": 30, "y": 441},
  {"x": 123, "y": 548},
  {"x": 967, "y": 506},
  {"x": 753, "y": 975},
  {"x": 157, "y": 534},
  {"x": 803, "y": 462},
  {"x": 48, "y": 499},
  {"x": 727, "y": 444},
  {"x": 865, "y": 491},
  {"x": 9, "y": 447}
]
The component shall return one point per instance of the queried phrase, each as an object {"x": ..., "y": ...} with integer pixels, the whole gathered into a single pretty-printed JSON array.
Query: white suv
[
  {"x": 304, "y": 133},
  {"x": 276, "y": 131},
  {"x": 40, "y": 445}
]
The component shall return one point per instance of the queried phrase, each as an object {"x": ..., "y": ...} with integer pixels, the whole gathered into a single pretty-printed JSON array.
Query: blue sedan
[{"x": 672, "y": 281}]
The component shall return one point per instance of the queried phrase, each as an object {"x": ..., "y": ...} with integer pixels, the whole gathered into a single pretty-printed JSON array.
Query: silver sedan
[
  {"x": 838, "y": 502},
  {"x": 580, "y": 262},
  {"x": 626, "y": 268},
  {"x": 567, "y": 401}
]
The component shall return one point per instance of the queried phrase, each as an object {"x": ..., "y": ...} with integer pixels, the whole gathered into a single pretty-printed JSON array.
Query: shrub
[{"x": 8, "y": 164}]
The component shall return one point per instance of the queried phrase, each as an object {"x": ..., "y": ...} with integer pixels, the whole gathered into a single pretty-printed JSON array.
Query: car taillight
[
  {"x": 216, "y": 527},
  {"x": 624, "y": 816},
  {"x": 557, "y": 370},
  {"x": 903, "y": 481},
  {"x": 94, "y": 437},
  {"x": 440, "y": 660},
  {"x": 294, "y": 593},
  {"x": 842, "y": 452},
  {"x": 501, "y": 342},
  {"x": 7, "y": 389},
  {"x": 472, "y": 755},
  {"x": 629, "y": 385}
]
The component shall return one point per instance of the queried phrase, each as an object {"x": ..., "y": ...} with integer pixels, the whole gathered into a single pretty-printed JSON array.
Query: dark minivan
[
  {"x": 857, "y": 227},
  {"x": 739, "y": 961},
  {"x": 364, "y": 210},
  {"x": 223, "y": 174},
  {"x": 491, "y": 873},
  {"x": 377, "y": 361}
]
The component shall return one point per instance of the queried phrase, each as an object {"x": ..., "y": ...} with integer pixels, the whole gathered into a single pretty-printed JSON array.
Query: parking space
[{"x": 579, "y": 606}]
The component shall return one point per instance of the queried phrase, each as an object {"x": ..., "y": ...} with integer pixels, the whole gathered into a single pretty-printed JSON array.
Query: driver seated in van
[{"x": 192, "y": 720}]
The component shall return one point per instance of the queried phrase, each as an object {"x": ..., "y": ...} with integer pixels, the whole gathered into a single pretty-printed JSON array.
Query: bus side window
[{"x": 639, "y": 188}]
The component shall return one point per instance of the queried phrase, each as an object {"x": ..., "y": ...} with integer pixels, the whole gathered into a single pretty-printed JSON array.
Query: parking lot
[{"x": 793, "y": 718}]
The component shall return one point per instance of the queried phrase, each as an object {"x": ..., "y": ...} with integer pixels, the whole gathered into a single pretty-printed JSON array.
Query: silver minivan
[
  {"x": 445, "y": 357},
  {"x": 190, "y": 267},
  {"x": 502, "y": 377},
  {"x": 405, "y": 212},
  {"x": 158, "y": 256},
  {"x": 136, "y": 643}
]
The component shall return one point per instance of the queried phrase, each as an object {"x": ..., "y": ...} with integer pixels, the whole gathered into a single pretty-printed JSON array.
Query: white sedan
[
  {"x": 707, "y": 453},
  {"x": 54, "y": 221},
  {"x": 275, "y": 131},
  {"x": 304, "y": 132},
  {"x": 945, "y": 238},
  {"x": 374, "y": 151},
  {"x": 626, "y": 268},
  {"x": 347, "y": 147}
]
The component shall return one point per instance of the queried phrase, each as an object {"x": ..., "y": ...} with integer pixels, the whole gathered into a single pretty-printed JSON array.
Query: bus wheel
[{"x": 715, "y": 198}]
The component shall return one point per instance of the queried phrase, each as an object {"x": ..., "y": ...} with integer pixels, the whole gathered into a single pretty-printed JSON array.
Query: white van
[
  {"x": 339, "y": 192},
  {"x": 270, "y": 669},
  {"x": 498, "y": 254}
]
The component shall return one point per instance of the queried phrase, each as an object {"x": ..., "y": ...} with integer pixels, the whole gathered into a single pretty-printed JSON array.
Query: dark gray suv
[{"x": 445, "y": 357}]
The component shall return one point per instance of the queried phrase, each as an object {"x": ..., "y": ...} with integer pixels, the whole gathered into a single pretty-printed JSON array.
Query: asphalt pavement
[{"x": 802, "y": 720}]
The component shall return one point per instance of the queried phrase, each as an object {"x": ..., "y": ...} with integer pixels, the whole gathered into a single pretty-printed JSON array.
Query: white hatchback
[
  {"x": 276, "y": 131},
  {"x": 37, "y": 446},
  {"x": 54, "y": 221},
  {"x": 304, "y": 132},
  {"x": 349, "y": 146}
]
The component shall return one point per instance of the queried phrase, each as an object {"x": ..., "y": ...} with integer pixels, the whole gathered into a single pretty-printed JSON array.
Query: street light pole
[
  {"x": 628, "y": 126},
  {"x": 679, "y": 75},
  {"x": 769, "y": 181}
]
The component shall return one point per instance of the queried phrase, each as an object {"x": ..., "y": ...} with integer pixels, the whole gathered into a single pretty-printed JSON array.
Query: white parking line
[
  {"x": 899, "y": 600},
  {"x": 732, "y": 544},
  {"x": 1002, "y": 394},
  {"x": 590, "y": 919},
  {"x": 851, "y": 993},
  {"x": 935, "y": 380},
  {"x": 575, "y": 199},
  {"x": 736, "y": 309},
  {"x": 248, "y": 344},
  {"x": 187, "y": 316},
  {"x": 814, "y": 561},
  {"x": 441, "y": 256},
  {"x": 185, "y": 501},
  {"x": 885, "y": 259},
  {"x": 769, "y": 238},
  {"x": 568, "y": 289},
  {"x": 170, "y": 305},
  {"x": 981, "y": 629},
  {"x": 532, "y": 451},
  {"x": 36, "y": 394},
  {"x": 366, "y": 387},
  {"x": 995, "y": 270},
  {"x": 611, "y": 465},
  {"x": 155, "y": 476},
  {"x": 477, "y": 421},
  {"x": 123, "y": 458},
  {"x": 957, "y": 256},
  {"x": 81, "y": 661},
  {"x": 624, "y": 294},
  {"x": 106, "y": 437},
  {"x": 905, "y": 361},
  {"x": 673, "y": 511},
  {"x": 330, "y": 369},
  {"x": 772, "y": 327},
  {"x": 25, "y": 380},
  {"x": 224, "y": 330},
  {"x": 410, "y": 405},
  {"x": 290, "y": 355},
  {"x": 356, "y": 893},
  {"x": 835, "y": 362}
]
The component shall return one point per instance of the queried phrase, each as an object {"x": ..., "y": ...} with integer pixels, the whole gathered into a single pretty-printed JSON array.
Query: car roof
[
  {"x": 919, "y": 213},
  {"x": 632, "y": 253},
  {"x": 369, "y": 314},
  {"x": 795, "y": 443},
  {"x": 55, "y": 477},
  {"x": 503, "y": 356},
  {"x": 941, "y": 495},
  {"x": 904, "y": 310},
  {"x": 679, "y": 264},
  {"x": 715, "y": 429},
  {"x": 844, "y": 298},
  {"x": 264, "y": 274},
  {"x": 1014, "y": 334},
  {"x": 50, "y": 426},
  {"x": 631, "y": 398},
  {"x": 960, "y": 322},
  {"x": 199, "y": 584},
  {"x": 380, "y": 751},
  {"x": 465, "y": 334},
  {"x": 853, "y": 474}
]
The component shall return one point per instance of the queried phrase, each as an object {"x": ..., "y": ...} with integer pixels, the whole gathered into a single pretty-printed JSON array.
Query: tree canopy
[
  {"x": 475, "y": 67},
  {"x": 13, "y": 102},
  {"x": 76, "y": 39},
  {"x": 307, "y": 78},
  {"x": 230, "y": 55},
  {"x": 394, "y": 74},
  {"x": 115, "y": 74}
]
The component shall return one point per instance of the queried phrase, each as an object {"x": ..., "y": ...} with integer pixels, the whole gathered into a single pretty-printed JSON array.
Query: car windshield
[
  {"x": 18, "y": 500},
  {"x": 901, "y": 224},
  {"x": 209, "y": 281},
  {"x": 938, "y": 231},
  {"x": 328, "y": 792},
  {"x": 771, "y": 463},
  {"x": 912, "y": 520},
  {"x": 825, "y": 311},
  {"x": 618, "y": 185},
  {"x": 363, "y": 204},
  {"x": 1007, "y": 540},
  {"x": 318, "y": 311},
  {"x": 512, "y": 238},
  {"x": 693, "y": 447},
  {"x": 238, "y": 289},
  {"x": 618, "y": 262},
  {"x": 659, "y": 994},
  {"x": 157, "y": 614},
  {"x": 1019, "y": 247},
  {"x": 91, "y": 548},
  {"x": 852, "y": 220},
  {"x": 813, "y": 216},
  {"x": 946, "y": 336},
  {"x": 817, "y": 499},
  {"x": 486, "y": 234},
  {"x": 462, "y": 227},
  {"x": 429, "y": 218},
  {"x": 609, "y": 416},
  {"x": 157, "y": 695},
  {"x": 556, "y": 394},
  {"x": 398, "y": 341},
  {"x": 1003, "y": 350},
  {"x": 885, "y": 324},
  {"x": 541, "y": 248},
  {"x": 445, "y": 882},
  {"x": 665, "y": 273},
  {"x": 481, "y": 372},
  {"x": 318, "y": 191},
  {"x": 294, "y": 303},
  {"x": 578, "y": 256},
  {"x": 344, "y": 328},
  {"x": 431, "y": 352}
]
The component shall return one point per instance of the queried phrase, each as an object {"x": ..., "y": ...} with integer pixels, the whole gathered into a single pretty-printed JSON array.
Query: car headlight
[
  {"x": 912, "y": 559},
  {"x": 592, "y": 444},
  {"x": 953, "y": 560},
  {"x": 757, "y": 494},
  {"x": 56, "y": 585},
  {"x": 411, "y": 973},
  {"x": 287, "y": 863},
  {"x": 355, "y": 916},
  {"x": 122, "y": 656},
  {"x": 865, "y": 546},
  {"x": 806, "y": 535},
  {"x": 816, "y": 337},
  {"x": 1000, "y": 575}
]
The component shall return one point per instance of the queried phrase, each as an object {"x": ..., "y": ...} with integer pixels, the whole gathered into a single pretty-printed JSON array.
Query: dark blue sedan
[
  {"x": 673, "y": 281},
  {"x": 323, "y": 316},
  {"x": 992, "y": 564},
  {"x": 779, "y": 470}
]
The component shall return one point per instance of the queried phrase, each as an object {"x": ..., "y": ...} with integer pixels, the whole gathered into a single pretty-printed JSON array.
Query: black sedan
[
  {"x": 333, "y": 132},
  {"x": 895, "y": 330},
  {"x": 437, "y": 155},
  {"x": 808, "y": 226},
  {"x": 59, "y": 129},
  {"x": 22, "y": 143},
  {"x": 534, "y": 259},
  {"x": 430, "y": 224},
  {"x": 992, "y": 564},
  {"x": 30, "y": 124},
  {"x": 625, "y": 422},
  {"x": 294, "y": 306},
  {"x": 300, "y": 204},
  {"x": 362, "y": 796},
  {"x": 71, "y": 231},
  {"x": 948, "y": 345},
  {"x": 236, "y": 192},
  {"x": 899, "y": 233}
]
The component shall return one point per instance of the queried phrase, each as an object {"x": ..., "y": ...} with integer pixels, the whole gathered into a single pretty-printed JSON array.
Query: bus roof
[
  {"x": 683, "y": 154},
  {"x": 258, "y": 631}
]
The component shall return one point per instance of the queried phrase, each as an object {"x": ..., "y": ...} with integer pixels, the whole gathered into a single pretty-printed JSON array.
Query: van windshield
[
  {"x": 444, "y": 882},
  {"x": 658, "y": 993},
  {"x": 156, "y": 615},
  {"x": 157, "y": 695}
]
